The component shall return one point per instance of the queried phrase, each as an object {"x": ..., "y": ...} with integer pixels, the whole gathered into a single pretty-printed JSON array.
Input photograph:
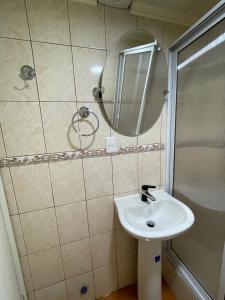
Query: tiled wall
[{"x": 62, "y": 213}]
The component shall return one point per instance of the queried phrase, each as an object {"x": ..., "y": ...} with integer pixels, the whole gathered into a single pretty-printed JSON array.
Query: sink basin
[
  {"x": 151, "y": 223},
  {"x": 162, "y": 219}
]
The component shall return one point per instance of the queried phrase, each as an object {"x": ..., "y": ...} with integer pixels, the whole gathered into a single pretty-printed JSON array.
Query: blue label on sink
[{"x": 157, "y": 258}]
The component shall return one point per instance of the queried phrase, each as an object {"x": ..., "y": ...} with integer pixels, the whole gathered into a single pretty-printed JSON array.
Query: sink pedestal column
[{"x": 149, "y": 270}]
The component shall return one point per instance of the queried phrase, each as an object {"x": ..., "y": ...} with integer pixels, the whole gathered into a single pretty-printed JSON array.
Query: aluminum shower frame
[{"x": 213, "y": 17}]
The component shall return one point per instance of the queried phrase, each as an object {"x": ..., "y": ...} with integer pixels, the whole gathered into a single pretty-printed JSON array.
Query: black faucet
[{"x": 145, "y": 195}]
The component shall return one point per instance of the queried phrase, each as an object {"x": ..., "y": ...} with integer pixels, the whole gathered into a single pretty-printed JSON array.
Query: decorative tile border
[{"x": 71, "y": 155}]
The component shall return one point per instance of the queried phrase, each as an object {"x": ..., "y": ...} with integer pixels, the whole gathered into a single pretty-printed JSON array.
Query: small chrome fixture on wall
[
  {"x": 84, "y": 113},
  {"x": 98, "y": 91},
  {"x": 26, "y": 73}
]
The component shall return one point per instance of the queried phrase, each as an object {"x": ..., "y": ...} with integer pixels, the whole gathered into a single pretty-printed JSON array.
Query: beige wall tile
[
  {"x": 171, "y": 33},
  {"x": 13, "y": 22},
  {"x": 103, "y": 249},
  {"x": 164, "y": 124},
  {"x": 88, "y": 65},
  {"x": 67, "y": 182},
  {"x": 76, "y": 258},
  {"x": 86, "y": 126},
  {"x": 54, "y": 72},
  {"x": 26, "y": 274},
  {"x": 108, "y": 79},
  {"x": 122, "y": 140},
  {"x": 126, "y": 245},
  {"x": 18, "y": 52},
  {"x": 105, "y": 280},
  {"x": 52, "y": 292},
  {"x": 9, "y": 192},
  {"x": 126, "y": 193},
  {"x": 98, "y": 177},
  {"x": 154, "y": 27},
  {"x": 117, "y": 222},
  {"x": 149, "y": 168},
  {"x": 125, "y": 177},
  {"x": 72, "y": 222},
  {"x": 18, "y": 235},
  {"x": 127, "y": 271},
  {"x": 103, "y": 207},
  {"x": 57, "y": 118},
  {"x": 22, "y": 128},
  {"x": 46, "y": 267},
  {"x": 87, "y": 25},
  {"x": 31, "y": 296},
  {"x": 75, "y": 284},
  {"x": 118, "y": 22},
  {"x": 152, "y": 135},
  {"x": 40, "y": 230},
  {"x": 48, "y": 20},
  {"x": 32, "y": 187},
  {"x": 162, "y": 168}
]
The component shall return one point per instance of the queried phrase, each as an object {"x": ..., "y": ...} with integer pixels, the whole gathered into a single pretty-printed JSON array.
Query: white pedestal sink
[{"x": 151, "y": 223}]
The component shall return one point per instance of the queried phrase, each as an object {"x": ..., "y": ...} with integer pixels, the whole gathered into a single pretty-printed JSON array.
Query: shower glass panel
[
  {"x": 199, "y": 158},
  {"x": 133, "y": 76}
]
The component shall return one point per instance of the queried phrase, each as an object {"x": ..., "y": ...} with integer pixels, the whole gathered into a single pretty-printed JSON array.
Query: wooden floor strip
[{"x": 130, "y": 293}]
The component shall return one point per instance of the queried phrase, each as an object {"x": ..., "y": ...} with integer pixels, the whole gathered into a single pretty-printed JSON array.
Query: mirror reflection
[{"x": 133, "y": 83}]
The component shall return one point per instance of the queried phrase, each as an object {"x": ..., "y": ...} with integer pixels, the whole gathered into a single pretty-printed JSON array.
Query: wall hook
[{"x": 26, "y": 73}]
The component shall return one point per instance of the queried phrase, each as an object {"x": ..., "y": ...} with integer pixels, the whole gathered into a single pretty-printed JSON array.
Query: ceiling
[{"x": 184, "y": 12}]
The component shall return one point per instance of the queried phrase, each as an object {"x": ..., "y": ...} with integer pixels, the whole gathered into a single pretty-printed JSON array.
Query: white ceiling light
[{"x": 116, "y": 3}]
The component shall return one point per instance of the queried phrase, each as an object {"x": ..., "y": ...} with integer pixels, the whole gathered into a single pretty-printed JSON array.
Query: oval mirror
[{"x": 133, "y": 83}]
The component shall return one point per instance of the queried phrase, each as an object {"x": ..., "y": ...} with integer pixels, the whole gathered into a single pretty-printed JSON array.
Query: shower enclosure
[{"x": 196, "y": 152}]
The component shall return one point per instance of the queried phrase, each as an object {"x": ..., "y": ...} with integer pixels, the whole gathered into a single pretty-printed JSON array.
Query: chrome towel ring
[{"x": 84, "y": 113}]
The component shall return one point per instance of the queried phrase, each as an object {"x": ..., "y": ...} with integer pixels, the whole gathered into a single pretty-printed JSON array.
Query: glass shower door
[
  {"x": 132, "y": 81},
  {"x": 199, "y": 157}
]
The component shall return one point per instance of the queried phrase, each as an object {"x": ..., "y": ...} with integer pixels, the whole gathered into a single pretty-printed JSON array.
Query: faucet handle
[{"x": 145, "y": 187}]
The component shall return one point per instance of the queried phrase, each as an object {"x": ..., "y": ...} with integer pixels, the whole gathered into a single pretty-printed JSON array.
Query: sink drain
[{"x": 150, "y": 224}]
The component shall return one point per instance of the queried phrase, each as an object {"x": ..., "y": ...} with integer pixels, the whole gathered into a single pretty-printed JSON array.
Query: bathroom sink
[
  {"x": 162, "y": 219},
  {"x": 152, "y": 222}
]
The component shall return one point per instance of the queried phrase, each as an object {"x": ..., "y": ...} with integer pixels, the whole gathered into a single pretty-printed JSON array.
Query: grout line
[
  {"x": 163, "y": 36},
  {"x": 73, "y": 66},
  {"x": 105, "y": 31},
  {"x": 31, "y": 275},
  {"x": 69, "y": 243},
  {"x": 53, "y": 43},
  {"x": 86, "y": 201},
  {"x": 116, "y": 245},
  {"x": 74, "y": 79},
  {"x": 114, "y": 225},
  {"x": 160, "y": 156},
  {"x": 47, "y": 101},
  {"x": 50, "y": 285},
  {"x": 57, "y": 225},
  {"x": 138, "y": 179},
  {"x": 14, "y": 192},
  {"x": 36, "y": 79},
  {"x": 3, "y": 140},
  {"x": 77, "y": 202},
  {"x": 25, "y": 246},
  {"x": 32, "y": 52}
]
